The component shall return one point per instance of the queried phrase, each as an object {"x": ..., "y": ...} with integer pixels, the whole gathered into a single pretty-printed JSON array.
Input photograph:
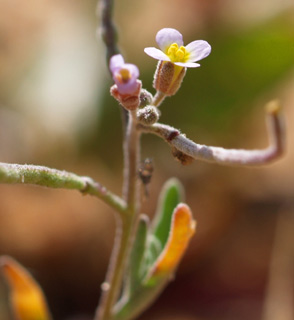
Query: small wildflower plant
[{"x": 146, "y": 254}]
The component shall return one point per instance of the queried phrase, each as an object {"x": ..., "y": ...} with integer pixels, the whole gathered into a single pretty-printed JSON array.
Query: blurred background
[{"x": 55, "y": 110}]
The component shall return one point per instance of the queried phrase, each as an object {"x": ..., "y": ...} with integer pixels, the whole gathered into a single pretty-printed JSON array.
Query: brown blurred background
[{"x": 55, "y": 110}]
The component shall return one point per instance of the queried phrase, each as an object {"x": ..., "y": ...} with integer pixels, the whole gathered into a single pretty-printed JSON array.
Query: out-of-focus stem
[
  {"x": 108, "y": 33},
  {"x": 279, "y": 294},
  {"x": 126, "y": 225},
  {"x": 107, "y": 28}
]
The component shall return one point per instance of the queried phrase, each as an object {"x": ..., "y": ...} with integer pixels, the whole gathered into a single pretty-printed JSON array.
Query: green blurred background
[{"x": 55, "y": 110}]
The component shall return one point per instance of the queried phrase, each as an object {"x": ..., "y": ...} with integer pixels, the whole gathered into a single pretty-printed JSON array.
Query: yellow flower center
[
  {"x": 123, "y": 76},
  {"x": 177, "y": 54}
]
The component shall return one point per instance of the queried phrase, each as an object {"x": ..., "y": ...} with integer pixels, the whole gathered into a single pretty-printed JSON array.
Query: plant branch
[
  {"x": 132, "y": 155},
  {"x": 227, "y": 156},
  {"x": 126, "y": 225},
  {"x": 52, "y": 178}
]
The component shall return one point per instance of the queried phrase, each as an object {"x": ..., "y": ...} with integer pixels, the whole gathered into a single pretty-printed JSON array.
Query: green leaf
[
  {"x": 134, "y": 277},
  {"x": 136, "y": 271},
  {"x": 160, "y": 273},
  {"x": 171, "y": 195}
]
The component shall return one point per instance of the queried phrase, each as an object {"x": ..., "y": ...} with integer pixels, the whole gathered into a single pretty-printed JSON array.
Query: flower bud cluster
[{"x": 174, "y": 59}]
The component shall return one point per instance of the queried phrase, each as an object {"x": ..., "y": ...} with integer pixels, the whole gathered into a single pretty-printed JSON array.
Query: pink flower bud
[
  {"x": 127, "y": 87},
  {"x": 125, "y": 75}
]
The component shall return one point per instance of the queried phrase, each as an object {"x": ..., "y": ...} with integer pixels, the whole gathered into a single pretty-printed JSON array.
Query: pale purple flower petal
[
  {"x": 156, "y": 54},
  {"x": 119, "y": 70},
  {"x": 187, "y": 64},
  {"x": 170, "y": 42},
  {"x": 128, "y": 87},
  {"x": 198, "y": 50},
  {"x": 134, "y": 71},
  {"x": 167, "y": 36},
  {"x": 131, "y": 85},
  {"x": 116, "y": 61}
]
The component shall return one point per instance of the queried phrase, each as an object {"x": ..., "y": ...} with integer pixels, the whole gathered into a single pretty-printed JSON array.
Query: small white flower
[{"x": 170, "y": 41}]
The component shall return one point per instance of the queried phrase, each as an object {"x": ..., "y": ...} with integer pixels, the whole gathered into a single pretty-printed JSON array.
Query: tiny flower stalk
[
  {"x": 26, "y": 297},
  {"x": 174, "y": 59}
]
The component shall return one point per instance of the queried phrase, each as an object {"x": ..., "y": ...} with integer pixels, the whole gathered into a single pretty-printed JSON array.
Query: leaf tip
[
  {"x": 26, "y": 296},
  {"x": 183, "y": 227}
]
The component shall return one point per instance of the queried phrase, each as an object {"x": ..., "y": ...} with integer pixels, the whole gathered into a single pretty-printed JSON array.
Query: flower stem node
[
  {"x": 183, "y": 158},
  {"x": 148, "y": 115},
  {"x": 168, "y": 77}
]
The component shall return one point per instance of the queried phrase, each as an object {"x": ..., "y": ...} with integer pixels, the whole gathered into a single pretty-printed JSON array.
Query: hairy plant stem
[
  {"x": 158, "y": 98},
  {"x": 126, "y": 225},
  {"x": 223, "y": 156},
  {"x": 52, "y": 178}
]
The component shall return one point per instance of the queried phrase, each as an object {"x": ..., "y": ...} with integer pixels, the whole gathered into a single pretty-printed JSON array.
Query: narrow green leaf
[
  {"x": 171, "y": 195},
  {"x": 132, "y": 308},
  {"x": 136, "y": 267},
  {"x": 153, "y": 250}
]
